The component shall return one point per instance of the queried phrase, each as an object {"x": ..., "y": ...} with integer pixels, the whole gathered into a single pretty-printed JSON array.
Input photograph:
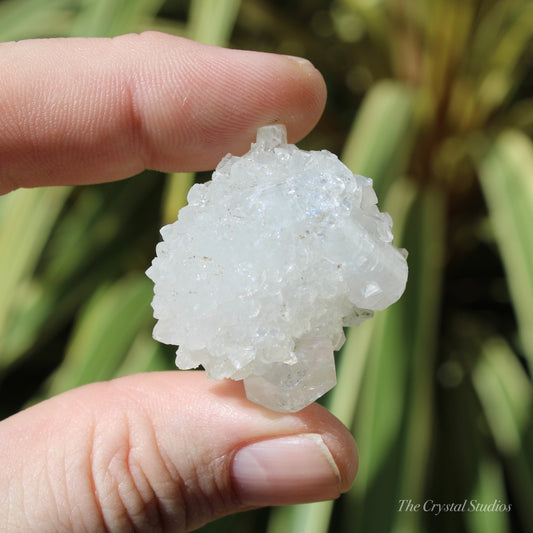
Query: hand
[{"x": 162, "y": 451}]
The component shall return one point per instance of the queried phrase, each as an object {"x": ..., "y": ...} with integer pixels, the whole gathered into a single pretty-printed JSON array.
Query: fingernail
[
  {"x": 302, "y": 61},
  {"x": 287, "y": 470}
]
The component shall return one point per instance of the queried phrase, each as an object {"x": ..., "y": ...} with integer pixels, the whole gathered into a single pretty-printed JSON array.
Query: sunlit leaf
[
  {"x": 23, "y": 19},
  {"x": 506, "y": 395},
  {"x": 380, "y": 138},
  {"x": 103, "y": 333},
  {"x": 490, "y": 488},
  {"x": 175, "y": 195},
  {"x": 145, "y": 355},
  {"x": 26, "y": 220},
  {"x": 506, "y": 174},
  {"x": 212, "y": 21},
  {"x": 106, "y": 18}
]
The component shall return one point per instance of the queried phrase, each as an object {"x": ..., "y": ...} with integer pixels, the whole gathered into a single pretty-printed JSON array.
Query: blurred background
[{"x": 430, "y": 98}]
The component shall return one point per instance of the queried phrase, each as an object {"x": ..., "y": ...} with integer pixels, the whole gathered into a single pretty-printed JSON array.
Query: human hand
[{"x": 162, "y": 451}]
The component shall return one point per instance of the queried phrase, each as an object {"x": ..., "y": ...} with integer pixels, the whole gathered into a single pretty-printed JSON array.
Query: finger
[
  {"x": 90, "y": 110},
  {"x": 163, "y": 452}
]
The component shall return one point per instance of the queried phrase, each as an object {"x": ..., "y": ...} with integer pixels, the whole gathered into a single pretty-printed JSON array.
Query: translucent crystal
[{"x": 266, "y": 265}]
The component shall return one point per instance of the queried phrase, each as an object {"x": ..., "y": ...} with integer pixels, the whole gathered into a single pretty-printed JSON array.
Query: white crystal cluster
[{"x": 266, "y": 265}]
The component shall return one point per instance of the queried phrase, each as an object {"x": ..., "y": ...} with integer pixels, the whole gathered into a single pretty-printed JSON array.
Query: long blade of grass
[
  {"x": 425, "y": 239},
  {"x": 145, "y": 355},
  {"x": 506, "y": 31},
  {"x": 380, "y": 139},
  {"x": 506, "y": 397},
  {"x": 103, "y": 333},
  {"x": 212, "y": 21},
  {"x": 23, "y": 19},
  {"x": 27, "y": 217},
  {"x": 379, "y": 419},
  {"x": 177, "y": 186},
  {"x": 490, "y": 487},
  {"x": 89, "y": 244},
  {"x": 506, "y": 175},
  {"x": 106, "y": 18}
]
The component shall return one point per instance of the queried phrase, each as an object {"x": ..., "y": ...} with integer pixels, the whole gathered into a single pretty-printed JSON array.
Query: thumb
[{"x": 163, "y": 452}]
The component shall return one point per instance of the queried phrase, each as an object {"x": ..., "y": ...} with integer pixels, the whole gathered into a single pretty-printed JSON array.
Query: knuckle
[{"x": 131, "y": 484}]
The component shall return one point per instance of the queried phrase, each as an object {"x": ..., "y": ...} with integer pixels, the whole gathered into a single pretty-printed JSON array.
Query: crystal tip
[{"x": 269, "y": 137}]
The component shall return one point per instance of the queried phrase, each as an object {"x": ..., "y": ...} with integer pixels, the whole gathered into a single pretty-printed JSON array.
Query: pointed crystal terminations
[{"x": 266, "y": 265}]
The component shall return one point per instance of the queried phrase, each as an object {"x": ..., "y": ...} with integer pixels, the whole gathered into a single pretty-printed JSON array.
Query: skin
[
  {"x": 150, "y": 452},
  {"x": 93, "y": 110}
]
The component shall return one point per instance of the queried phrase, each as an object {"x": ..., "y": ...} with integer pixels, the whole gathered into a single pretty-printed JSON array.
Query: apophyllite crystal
[{"x": 266, "y": 265}]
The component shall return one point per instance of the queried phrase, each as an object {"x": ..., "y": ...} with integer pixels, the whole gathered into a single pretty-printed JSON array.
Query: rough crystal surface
[{"x": 266, "y": 265}]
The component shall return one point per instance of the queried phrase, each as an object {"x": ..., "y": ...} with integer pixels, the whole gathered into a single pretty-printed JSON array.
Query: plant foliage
[{"x": 431, "y": 99}]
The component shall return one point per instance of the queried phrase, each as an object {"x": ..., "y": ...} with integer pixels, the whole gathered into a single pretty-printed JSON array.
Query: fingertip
[
  {"x": 338, "y": 439},
  {"x": 312, "y": 98},
  {"x": 267, "y": 445},
  {"x": 285, "y": 470},
  {"x": 237, "y": 92},
  {"x": 173, "y": 105},
  {"x": 344, "y": 450}
]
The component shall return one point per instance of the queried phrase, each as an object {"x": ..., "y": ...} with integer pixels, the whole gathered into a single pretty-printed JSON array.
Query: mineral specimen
[{"x": 266, "y": 265}]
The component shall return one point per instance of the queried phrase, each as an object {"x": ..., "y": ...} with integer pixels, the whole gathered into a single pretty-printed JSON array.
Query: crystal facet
[{"x": 266, "y": 265}]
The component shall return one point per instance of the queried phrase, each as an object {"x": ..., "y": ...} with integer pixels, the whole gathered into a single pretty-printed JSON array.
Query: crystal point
[
  {"x": 267, "y": 264},
  {"x": 291, "y": 386},
  {"x": 269, "y": 137}
]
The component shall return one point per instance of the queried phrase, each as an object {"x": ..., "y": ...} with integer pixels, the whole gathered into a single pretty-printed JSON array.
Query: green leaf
[
  {"x": 26, "y": 220},
  {"x": 145, "y": 355},
  {"x": 381, "y": 136},
  {"x": 107, "y": 18},
  {"x": 89, "y": 244},
  {"x": 103, "y": 333},
  {"x": 506, "y": 396},
  {"x": 506, "y": 175},
  {"x": 175, "y": 196},
  {"x": 212, "y": 21},
  {"x": 22, "y": 19},
  {"x": 490, "y": 487}
]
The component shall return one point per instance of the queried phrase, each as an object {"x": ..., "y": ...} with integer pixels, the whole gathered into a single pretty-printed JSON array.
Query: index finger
[{"x": 78, "y": 111}]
